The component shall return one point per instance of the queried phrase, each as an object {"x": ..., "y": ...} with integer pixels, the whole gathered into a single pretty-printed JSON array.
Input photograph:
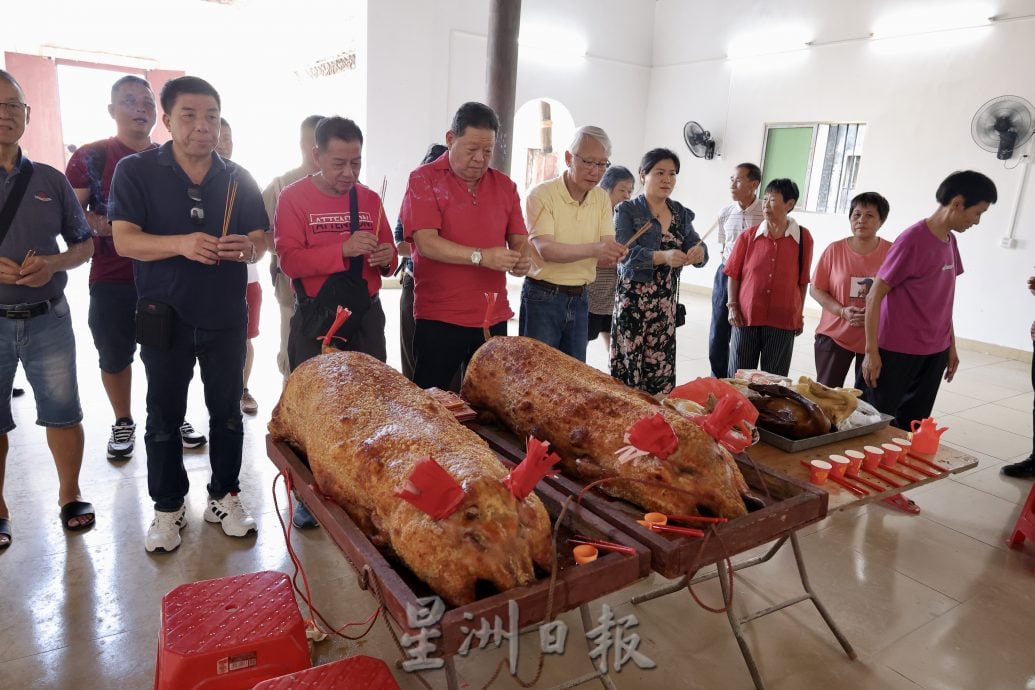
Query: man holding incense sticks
[
  {"x": 572, "y": 230},
  {"x": 335, "y": 244},
  {"x": 191, "y": 221},
  {"x": 36, "y": 206}
]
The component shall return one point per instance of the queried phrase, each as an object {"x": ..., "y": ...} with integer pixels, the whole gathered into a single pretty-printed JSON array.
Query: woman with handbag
[{"x": 643, "y": 332}]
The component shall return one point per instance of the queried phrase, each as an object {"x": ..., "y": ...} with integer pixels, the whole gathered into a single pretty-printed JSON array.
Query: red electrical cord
[{"x": 296, "y": 561}]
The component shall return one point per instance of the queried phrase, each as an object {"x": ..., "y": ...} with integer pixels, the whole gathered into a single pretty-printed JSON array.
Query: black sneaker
[
  {"x": 123, "y": 434},
  {"x": 191, "y": 438},
  {"x": 1025, "y": 469}
]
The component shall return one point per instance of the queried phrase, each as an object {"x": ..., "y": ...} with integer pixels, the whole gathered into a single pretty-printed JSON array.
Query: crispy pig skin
[
  {"x": 362, "y": 426},
  {"x": 535, "y": 389}
]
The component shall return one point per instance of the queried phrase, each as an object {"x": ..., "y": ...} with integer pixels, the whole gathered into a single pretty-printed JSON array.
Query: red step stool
[
  {"x": 230, "y": 633},
  {"x": 1025, "y": 522},
  {"x": 353, "y": 673}
]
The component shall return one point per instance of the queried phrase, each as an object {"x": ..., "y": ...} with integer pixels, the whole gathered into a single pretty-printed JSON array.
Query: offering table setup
[{"x": 596, "y": 486}]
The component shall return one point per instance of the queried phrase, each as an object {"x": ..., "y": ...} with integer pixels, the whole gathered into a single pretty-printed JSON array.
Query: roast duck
[
  {"x": 787, "y": 412},
  {"x": 584, "y": 414},
  {"x": 363, "y": 427}
]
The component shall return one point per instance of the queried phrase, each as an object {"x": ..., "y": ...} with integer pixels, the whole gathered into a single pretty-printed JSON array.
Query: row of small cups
[{"x": 870, "y": 458}]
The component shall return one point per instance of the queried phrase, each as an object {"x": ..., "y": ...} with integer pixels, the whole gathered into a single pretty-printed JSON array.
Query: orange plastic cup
[
  {"x": 655, "y": 519},
  {"x": 874, "y": 457},
  {"x": 584, "y": 553},
  {"x": 855, "y": 461},
  {"x": 819, "y": 470},
  {"x": 892, "y": 452}
]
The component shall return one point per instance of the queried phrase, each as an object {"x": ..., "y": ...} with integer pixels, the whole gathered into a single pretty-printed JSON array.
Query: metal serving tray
[{"x": 794, "y": 445}]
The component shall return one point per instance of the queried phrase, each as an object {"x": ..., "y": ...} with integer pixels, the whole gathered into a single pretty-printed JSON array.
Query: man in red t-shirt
[
  {"x": 113, "y": 296},
  {"x": 465, "y": 221},
  {"x": 315, "y": 238}
]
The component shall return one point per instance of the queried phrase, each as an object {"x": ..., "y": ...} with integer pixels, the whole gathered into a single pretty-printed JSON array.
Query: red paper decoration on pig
[
  {"x": 653, "y": 435},
  {"x": 432, "y": 490},
  {"x": 538, "y": 463}
]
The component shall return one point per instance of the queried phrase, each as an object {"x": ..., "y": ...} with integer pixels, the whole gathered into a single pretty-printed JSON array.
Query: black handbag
[{"x": 347, "y": 289}]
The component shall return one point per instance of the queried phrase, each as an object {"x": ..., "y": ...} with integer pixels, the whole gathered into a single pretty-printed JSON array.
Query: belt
[
  {"x": 573, "y": 290},
  {"x": 27, "y": 311}
]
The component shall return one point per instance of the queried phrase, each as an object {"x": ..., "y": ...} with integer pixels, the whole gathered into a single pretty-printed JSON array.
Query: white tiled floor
[{"x": 932, "y": 601}]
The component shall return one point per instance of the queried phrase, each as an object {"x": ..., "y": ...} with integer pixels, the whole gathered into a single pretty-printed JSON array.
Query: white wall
[
  {"x": 426, "y": 58},
  {"x": 917, "y": 96}
]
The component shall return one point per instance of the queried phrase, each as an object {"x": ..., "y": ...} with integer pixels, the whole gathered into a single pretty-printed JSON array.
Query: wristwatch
[{"x": 476, "y": 257}]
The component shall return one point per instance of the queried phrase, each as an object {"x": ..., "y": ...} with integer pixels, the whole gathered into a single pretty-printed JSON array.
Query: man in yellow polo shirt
[{"x": 570, "y": 226}]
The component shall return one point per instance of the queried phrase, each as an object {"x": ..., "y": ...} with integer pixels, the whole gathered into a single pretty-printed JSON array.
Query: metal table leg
[{"x": 736, "y": 623}]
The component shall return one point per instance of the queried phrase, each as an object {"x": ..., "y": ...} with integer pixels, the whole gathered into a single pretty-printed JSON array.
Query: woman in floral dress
[{"x": 643, "y": 332}]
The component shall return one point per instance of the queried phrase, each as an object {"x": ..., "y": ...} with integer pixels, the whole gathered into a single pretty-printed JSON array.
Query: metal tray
[{"x": 794, "y": 445}]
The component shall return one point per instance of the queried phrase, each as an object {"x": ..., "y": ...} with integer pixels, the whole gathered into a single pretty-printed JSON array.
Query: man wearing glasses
[
  {"x": 36, "y": 206},
  {"x": 571, "y": 227},
  {"x": 190, "y": 221},
  {"x": 113, "y": 296}
]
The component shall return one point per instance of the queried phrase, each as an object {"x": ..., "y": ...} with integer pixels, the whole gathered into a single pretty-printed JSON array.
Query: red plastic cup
[
  {"x": 904, "y": 443},
  {"x": 892, "y": 452},
  {"x": 874, "y": 457},
  {"x": 840, "y": 464},
  {"x": 855, "y": 461},
  {"x": 819, "y": 470}
]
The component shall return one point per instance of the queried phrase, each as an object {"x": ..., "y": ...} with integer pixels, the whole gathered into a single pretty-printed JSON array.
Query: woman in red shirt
[{"x": 768, "y": 274}]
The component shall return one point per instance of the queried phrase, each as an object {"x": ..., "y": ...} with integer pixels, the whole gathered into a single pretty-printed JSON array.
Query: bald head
[{"x": 9, "y": 78}]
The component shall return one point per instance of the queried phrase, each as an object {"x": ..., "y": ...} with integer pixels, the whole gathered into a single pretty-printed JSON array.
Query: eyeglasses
[
  {"x": 15, "y": 108},
  {"x": 197, "y": 211},
  {"x": 597, "y": 165}
]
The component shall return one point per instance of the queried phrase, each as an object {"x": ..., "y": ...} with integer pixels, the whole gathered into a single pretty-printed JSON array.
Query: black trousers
[
  {"x": 369, "y": 339},
  {"x": 834, "y": 361},
  {"x": 406, "y": 325},
  {"x": 442, "y": 351},
  {"x": 907, "y": 386}
]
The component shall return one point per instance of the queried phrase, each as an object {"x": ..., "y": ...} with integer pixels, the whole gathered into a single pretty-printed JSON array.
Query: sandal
[
  {"x": 5, "y": 533},
  {"x": 902, "y": 503},
  {"x": 77, "y": 509}
]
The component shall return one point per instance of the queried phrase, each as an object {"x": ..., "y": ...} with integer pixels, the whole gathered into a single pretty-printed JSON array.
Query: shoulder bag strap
[
  {"x": 356, "y": 262},
  {"x": 11, "y": 205}
]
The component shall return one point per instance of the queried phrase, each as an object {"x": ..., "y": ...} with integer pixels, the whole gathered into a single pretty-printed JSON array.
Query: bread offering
[
  {"x": 788, "y": 413},
  {"x": 603, "y": 429},
  {"x": 393, "y": 457},
  {"x": 837, "y": 404}
]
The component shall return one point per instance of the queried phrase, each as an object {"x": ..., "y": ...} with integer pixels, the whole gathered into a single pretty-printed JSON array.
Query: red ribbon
[
  {"x": 538, "y": 463},
  {"x": 728, "y": 418},
  {"x": 432, "y": 490},
  {"x": 340, "y": 318},
  {"x": 653, "y": 435},
  {"x": 490, "y": 308}
]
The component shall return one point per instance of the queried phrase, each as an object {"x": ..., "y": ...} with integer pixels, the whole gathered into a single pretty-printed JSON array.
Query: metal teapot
[{"x": 926, "y": 435}]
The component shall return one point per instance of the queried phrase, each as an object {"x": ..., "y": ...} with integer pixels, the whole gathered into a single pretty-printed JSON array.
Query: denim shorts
[
  {"x": 113, "y": 313},
  {"x": 45, "y": 345}
]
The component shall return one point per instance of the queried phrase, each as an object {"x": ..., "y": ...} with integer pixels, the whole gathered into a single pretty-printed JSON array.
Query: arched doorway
[{"x": 543, "y": 128}]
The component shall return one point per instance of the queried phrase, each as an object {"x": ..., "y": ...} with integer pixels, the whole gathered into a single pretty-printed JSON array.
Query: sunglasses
[{"x": 197, "y": 211}]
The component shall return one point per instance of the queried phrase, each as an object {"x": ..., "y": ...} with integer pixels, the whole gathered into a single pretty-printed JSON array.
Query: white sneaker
[
  {"x": 231, "y": 513},
  {"x": 164, "y": 532}
]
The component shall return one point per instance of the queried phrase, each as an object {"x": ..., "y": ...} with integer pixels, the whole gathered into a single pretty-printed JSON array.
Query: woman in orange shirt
[{"x": 840, "y": 284}]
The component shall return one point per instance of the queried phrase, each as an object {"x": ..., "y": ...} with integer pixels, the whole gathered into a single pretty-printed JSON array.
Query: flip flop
[
  {"x": 74, "y": 509},
  {"x": 5, "y": 531},
  {"x": 902, "y": 503}
]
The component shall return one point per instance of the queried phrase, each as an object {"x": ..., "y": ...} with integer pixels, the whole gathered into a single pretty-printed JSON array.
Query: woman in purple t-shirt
[{"x": 910, "y": 342}]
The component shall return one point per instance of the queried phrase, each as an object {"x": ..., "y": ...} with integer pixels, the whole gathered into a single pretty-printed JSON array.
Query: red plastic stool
[
  {"x": 354, "y": 673},
  {"x": 230, "y": 633},
  {"x": 1025, "y": 523}
]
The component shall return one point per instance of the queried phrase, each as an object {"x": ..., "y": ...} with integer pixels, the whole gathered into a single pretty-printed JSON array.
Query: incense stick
[
  {"x": 28, "y": 255},
  {"x": 231, "y": 196},
  {"x": 636, "y": 235}
]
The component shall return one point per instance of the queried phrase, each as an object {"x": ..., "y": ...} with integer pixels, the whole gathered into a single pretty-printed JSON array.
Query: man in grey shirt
[
  {"x": 35, "y": 325},
  {"x": 745, "y": 212}
]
